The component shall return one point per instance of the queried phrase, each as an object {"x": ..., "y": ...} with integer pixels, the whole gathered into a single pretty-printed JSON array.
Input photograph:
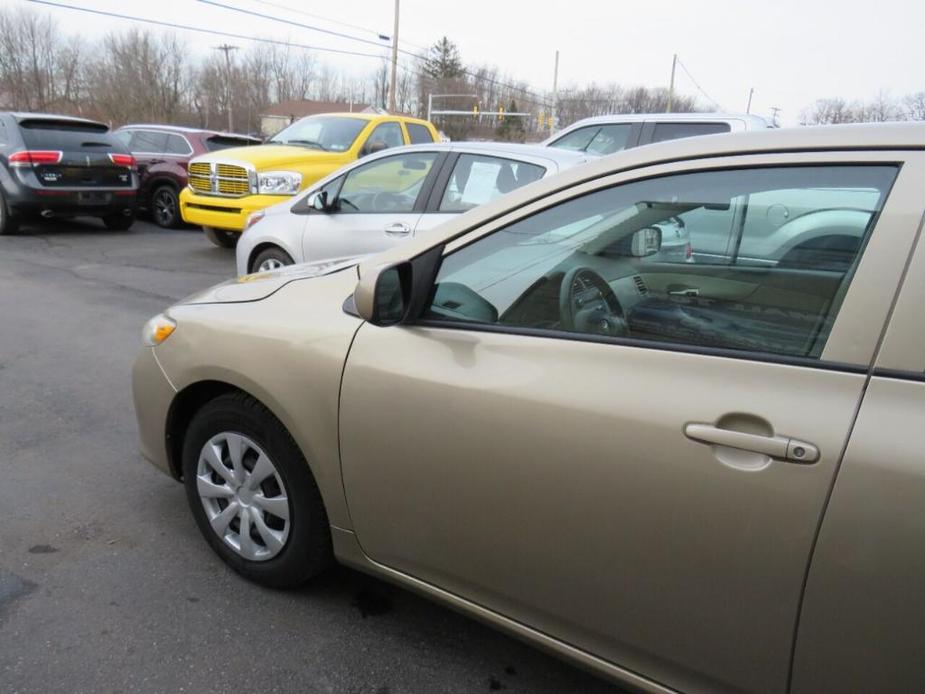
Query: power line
[
  {"x": 415, "y": 56},
  {"x": 213, "y": 32},
  {"x": 227, "y": 34},
  {"x": 294, "y": 10},
  {"x": 331, "y": 32},
  {"x": 699, "y": 88}
]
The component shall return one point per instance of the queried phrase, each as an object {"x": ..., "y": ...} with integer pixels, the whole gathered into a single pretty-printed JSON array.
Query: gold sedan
[{"x": 695, "y": 472}]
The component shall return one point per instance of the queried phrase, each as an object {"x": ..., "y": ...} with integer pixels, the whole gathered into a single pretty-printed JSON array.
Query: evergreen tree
[{"x": 443, "y": 61}]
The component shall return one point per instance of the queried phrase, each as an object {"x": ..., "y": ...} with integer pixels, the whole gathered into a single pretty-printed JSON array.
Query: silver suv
[{"x": 603, "y": 135}]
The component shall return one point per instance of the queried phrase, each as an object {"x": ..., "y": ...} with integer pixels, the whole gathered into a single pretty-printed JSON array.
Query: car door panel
[
  {"x": 587, "y": 511},
  {"x": 560, "y": 480},
  {"x": 347, "y": 232},
  {"x": 337, "y": 236}
]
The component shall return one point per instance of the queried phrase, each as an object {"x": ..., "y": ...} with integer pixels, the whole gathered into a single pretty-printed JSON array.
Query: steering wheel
[{"x": 587, "y": 304}]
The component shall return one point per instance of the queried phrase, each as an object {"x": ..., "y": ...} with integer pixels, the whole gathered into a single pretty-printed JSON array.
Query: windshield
[{"x": 328, "y": 133}]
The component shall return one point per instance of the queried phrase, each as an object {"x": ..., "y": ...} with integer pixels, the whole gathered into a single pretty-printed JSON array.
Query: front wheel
[
  {"x": 271, "y": 259},
  {"x": 221, "y": 238},
  {"x": 119, "y": 222},
  {"x": 252, "y": 493}
]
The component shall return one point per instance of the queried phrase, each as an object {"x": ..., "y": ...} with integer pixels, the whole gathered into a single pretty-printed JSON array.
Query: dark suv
[
  {"x": 59, "y": 166},
  {"x": 162, "y": 152}
]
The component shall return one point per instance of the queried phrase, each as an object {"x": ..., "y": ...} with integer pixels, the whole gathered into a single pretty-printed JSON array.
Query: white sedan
[{"x": 390, "y": 197}]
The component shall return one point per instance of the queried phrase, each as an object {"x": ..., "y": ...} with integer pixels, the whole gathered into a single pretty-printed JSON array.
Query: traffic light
[
  {"x": 475, "y": 109},
  {"x": 501, "y": 113}
]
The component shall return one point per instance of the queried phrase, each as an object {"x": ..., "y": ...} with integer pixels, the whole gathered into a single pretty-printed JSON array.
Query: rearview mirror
[
  {"x": 382, "y": 294},
  {"x": 646, "y": 242}
]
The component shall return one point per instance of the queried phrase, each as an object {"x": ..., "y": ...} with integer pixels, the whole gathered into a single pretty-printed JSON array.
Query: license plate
[{"x": 92, "y": 198}]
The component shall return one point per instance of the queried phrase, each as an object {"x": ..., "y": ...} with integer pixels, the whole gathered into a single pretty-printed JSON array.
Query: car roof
[
  {"x": 20, "y": 116},
  {"x": 185, "y": 130},
  {"x": 753, "y": 121},
  {"x": 878, "y": 136},
  {"x": 561, "y": 157},
  {"x": 366, "y": 116}
]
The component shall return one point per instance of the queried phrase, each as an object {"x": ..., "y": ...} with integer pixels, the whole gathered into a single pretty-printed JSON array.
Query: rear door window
[
  {"x": 149, "y": 142},
  {"x": 419, "y": 134},
  {"x": 478, "y": 179},
  {"x": 177, "y": 144},
  {"x": 676, "y": 131}
]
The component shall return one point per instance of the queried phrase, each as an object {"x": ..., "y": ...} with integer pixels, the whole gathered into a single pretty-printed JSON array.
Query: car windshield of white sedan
[
  {"x": 754, "y": 259},
  {"x": 328, "y": 133}
]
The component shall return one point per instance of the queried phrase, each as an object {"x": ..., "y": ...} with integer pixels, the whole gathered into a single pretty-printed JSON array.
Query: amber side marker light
[{"x": 158, "y": 329}]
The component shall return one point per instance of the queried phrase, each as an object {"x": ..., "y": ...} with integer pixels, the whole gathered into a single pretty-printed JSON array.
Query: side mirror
[
  {"x": 373, "y": 147},
  {"x": 646, "y": 242},
  {"x": 319, "y": 202},
  {"x": 382, "y": 295}
]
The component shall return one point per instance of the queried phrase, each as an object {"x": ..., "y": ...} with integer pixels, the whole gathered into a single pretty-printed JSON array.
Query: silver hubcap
[
  {"x": 243, "y": 496},
  {"x": 270, "y": 264}
]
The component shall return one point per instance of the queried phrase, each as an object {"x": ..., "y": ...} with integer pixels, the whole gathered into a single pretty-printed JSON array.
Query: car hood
[
  {"x": 260, "y": 285},
  {"x": 268, "y": 157}
]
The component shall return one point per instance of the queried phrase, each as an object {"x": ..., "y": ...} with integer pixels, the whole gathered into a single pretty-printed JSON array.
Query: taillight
[
  {"x": 122, "y": 159},
  {"x": 688, "y": 252},
  {"x": 31, "y": 157}
]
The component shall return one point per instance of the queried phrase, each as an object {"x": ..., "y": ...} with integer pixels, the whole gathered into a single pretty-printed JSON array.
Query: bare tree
[
  {"x": 914, "y": 106},
  {"x": 138, "y": 75},
  {"x": 32, "y": 53}
]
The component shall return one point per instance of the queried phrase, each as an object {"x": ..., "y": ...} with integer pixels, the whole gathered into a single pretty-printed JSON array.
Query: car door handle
[
  {"x": 780, "y": 447},
  {"x": 398, "y": 229}
]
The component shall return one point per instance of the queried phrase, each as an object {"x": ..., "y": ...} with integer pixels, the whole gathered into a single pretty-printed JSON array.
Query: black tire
[
  {"x": 165, "y": 207},
  {"x": 269, "y": 255},
  {"x": 9, "y": 225},
  {"x": 307, "y": 550},
  {"x": 119, "y": 222},
  {"x": 221, "y": 238}
]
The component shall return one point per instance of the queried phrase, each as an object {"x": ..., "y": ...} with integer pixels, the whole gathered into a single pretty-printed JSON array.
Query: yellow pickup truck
[{"x": 227, "y": 186}]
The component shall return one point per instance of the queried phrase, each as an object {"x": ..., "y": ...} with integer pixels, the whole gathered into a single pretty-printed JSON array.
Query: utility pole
[
  {"x": 674, "y": 64},
  {"x": 555, "y": 96},
  {"x": 226, "y": 49},
  {"x": 394, "y": 62},
  {"x": 748, "y": 108}
]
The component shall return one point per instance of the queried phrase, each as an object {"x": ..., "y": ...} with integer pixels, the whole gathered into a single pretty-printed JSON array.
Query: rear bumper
[
  {"x": 27, "y": 198},
  {"x": 229, "y": 214},
  {"x": 94, "y": 203}
]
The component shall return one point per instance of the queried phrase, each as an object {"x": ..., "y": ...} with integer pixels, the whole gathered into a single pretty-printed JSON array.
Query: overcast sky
[{"x": 790, "y": 51}]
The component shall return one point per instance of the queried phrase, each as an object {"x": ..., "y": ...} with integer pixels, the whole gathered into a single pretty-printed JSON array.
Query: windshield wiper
[{"x": 310, "y": 143}]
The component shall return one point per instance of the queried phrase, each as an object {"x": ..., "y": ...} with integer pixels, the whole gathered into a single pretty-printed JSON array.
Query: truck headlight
[{"x": 279, "y": 183}]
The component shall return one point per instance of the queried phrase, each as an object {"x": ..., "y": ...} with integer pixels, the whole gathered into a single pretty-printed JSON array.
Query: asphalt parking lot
[{"x": 105, "y": 584}]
